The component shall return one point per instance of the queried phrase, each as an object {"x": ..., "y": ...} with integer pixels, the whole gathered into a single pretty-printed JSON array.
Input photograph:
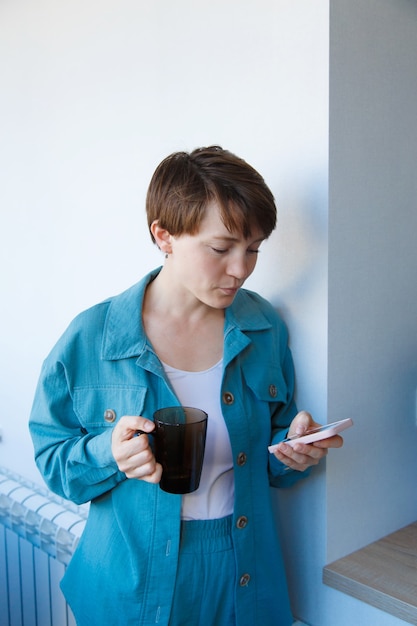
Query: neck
[{"x": 164, "y": 296}]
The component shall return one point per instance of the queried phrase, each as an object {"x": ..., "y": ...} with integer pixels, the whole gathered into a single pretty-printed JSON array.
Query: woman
[{"x": 185, "y": 334}]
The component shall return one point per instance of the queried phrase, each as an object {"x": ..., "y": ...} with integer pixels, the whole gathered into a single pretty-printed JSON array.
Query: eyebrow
[{"x": 235, "y": 239}]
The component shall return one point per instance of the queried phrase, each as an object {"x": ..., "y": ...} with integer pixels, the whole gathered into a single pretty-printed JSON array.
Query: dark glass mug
[{"x": 180, "y": 439}]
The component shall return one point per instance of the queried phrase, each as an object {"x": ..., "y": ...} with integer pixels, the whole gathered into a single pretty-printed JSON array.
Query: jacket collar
[{"x": 124, "y": 335}]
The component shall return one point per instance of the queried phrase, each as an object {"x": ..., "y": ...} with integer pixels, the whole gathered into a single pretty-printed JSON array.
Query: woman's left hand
[{"x": 304, "y": 455}]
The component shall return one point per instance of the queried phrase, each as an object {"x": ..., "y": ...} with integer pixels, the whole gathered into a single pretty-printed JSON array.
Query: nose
[{"x": 238, "y": 267}]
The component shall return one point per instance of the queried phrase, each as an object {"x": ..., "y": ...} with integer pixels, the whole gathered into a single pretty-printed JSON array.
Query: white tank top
[{"x": 215, "y": 496}]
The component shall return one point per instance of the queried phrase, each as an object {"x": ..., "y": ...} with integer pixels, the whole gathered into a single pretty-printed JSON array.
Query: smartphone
[{"x": 316, "y": 434}]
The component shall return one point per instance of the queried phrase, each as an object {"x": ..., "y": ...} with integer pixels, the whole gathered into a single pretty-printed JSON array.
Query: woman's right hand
[{"x": 132, "y": 453}]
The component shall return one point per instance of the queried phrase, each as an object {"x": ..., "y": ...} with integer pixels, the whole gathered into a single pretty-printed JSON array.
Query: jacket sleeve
[
  {"x": 74, "y": 464},
  {"x": 282, "y": 415}
]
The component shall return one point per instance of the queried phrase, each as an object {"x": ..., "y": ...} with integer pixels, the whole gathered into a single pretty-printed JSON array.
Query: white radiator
[{"x": 38, "y": 534}]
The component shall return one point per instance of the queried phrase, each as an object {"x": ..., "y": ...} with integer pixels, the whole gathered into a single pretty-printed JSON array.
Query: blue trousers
[{"x": 205, "y": 586}]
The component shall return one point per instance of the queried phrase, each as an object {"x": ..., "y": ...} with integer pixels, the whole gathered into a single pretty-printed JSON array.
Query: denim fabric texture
[{"x": 124, "y": 569}]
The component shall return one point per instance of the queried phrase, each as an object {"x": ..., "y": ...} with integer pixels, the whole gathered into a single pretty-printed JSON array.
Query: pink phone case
[{"x": 316, "y": 434}]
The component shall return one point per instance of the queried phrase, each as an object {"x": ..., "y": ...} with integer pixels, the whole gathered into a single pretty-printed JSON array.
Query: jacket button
[
  {"x": 273, "y": 391},
  {"x": 244, "y": 580},
  {"x": 241, "y": 458},
  {"x": 228, "y": 398},
  {"x": 109, "y": 415},
  {"x": 242, "y": 521}
]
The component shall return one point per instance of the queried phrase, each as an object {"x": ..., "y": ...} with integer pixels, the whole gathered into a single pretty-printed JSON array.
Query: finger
[
  {"x": 300, "y": 457},
  {"x": 150, "y": 472},
  {"x": 127, "y": 426},
  {"x": 307, "y": 460},
  {"x": 136, "y": 448},
  {"x": 131, "y": 452},
  {"x": 301, "y": 422},
  {"x": 155, "y": 476},
  {"x": 330, "y": 442},
  {"x": 139, "y": 464},
  {"x": 308, "y": 450}
]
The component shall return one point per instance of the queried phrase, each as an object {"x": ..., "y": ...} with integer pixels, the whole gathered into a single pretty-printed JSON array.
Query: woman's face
[{"x": 211, "y": 265}]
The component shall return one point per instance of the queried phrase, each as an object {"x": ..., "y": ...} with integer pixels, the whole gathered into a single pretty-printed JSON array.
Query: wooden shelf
[{"x": 383, "y": 574}]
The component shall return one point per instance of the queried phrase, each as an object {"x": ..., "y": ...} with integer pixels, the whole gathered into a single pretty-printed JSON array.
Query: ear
[{"x": 162, "y": 237}]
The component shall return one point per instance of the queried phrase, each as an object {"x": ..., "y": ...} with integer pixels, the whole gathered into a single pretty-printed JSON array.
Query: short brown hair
[{"x": 184, "y": 183}]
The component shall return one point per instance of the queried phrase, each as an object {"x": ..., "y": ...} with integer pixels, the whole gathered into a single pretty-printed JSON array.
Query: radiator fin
[{"x": 38, "y": 535}]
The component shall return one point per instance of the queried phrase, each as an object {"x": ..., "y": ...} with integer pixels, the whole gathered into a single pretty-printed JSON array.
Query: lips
[{"x": 229, "y": 291}]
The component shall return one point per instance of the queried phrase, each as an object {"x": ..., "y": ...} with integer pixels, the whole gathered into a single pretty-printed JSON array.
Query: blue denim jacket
[{"x": 123, "y": 571}]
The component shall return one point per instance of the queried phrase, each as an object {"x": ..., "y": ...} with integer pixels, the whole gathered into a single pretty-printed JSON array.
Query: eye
[
  {"x": 249, "y": 251},
  {"x": 219, "y": 250}
]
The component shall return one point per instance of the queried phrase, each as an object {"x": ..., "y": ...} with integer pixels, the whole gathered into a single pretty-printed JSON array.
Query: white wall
[{"x": 94, "y": 95}]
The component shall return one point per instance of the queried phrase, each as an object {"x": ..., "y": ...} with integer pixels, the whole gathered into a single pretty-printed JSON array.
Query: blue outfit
[{"x": 125, "y": 567}]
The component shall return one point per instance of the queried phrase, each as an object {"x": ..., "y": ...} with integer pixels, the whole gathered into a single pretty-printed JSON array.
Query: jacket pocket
[
  {"x": 100, "y": 407},
  {"x": 266, "y": 381}
]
